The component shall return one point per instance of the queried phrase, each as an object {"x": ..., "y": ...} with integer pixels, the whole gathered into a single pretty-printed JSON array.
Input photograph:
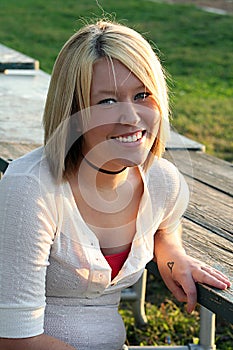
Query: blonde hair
[{"x": 69, "y": 90}]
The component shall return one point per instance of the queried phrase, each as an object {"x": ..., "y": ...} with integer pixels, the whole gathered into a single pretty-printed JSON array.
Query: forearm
[
  {"x": 165, "y": 242},
  {"x": 40, "y": 342},
  {"x": 180, "y": 271}
]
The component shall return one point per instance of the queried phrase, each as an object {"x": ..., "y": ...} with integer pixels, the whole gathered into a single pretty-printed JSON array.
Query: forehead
[{"x": 112, "y": 75}]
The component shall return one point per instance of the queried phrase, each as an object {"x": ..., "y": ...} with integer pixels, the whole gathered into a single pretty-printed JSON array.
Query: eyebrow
[
  {"x": 104, "y": 92},
  {"x": 113, "y": 92}
]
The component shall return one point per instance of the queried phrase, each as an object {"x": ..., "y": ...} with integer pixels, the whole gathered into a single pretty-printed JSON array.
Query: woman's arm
[
  {"x": 39, "y": 342},
  {"x": 28, "y": 223},
  {"x": 180, "y": 271}
]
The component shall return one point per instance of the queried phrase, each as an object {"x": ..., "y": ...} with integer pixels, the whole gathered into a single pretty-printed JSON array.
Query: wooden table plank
[
  {"x": 210, "y": 208},
  {"x": 210, "y": 183},
  {"x": 15, "y": 150},
  {"x": 180, "y": 142},
  {"x": 210, "y": 170},
  {"x": 216, "y": 252},
  {"x": 212, "y": 249},
  {"x": 216, "y": 301},
  {"x": 12, "y": 59}
]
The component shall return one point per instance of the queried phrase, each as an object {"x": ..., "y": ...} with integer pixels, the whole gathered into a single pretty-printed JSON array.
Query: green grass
[
  {"x": 196, "y": 49},
  {"x": 168, "y": 321}
]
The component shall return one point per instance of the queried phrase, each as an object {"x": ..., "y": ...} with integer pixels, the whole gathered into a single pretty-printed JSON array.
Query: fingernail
[{"x": 189, "y": 309}]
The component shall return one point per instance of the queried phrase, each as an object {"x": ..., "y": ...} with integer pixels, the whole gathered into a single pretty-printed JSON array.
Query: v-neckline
[{"x": 66, "y": 185}]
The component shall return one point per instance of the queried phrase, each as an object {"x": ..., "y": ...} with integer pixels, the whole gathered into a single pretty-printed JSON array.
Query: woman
[{"x": 83, "y": 215}]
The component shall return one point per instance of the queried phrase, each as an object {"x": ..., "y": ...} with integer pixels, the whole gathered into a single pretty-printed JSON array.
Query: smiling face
[{"x": 124, "y": 118}]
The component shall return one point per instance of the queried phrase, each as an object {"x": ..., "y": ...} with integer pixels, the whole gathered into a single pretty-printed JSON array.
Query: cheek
[
  {"x": 99, "y": 119},
  {"x": 94, "y": 135},
  {"x": 152, "y": 119}
]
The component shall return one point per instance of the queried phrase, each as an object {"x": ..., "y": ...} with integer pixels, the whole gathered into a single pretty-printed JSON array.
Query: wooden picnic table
[
  {"x": 207, "y": 232},
  {"x": 207, "y": 224}
]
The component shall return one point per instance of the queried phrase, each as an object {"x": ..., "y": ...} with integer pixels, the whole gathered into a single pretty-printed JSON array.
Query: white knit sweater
[{"x": 53, "y": 276}]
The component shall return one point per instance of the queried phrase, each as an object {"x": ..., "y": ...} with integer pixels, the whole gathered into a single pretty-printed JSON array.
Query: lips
[{"x": 130, "y": 138}]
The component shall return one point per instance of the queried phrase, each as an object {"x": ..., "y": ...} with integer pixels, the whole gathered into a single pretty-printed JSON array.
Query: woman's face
[{"x": 124, "y": 118}]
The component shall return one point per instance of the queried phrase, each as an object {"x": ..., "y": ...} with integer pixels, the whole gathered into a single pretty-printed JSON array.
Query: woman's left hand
[{"x": 180, "y": 272}]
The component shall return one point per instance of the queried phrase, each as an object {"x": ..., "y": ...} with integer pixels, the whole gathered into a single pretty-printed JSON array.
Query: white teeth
[{"x": 130, "y": 138}]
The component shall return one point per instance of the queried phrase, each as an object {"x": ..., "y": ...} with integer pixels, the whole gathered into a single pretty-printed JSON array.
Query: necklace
[{"x": 101, "y": 169}]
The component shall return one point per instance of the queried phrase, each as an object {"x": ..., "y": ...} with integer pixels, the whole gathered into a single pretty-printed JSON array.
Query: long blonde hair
[{"x": 69, "y": 90}]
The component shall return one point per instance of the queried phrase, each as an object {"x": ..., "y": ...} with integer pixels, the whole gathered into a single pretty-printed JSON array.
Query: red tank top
[{"x": 116, "y": 261}]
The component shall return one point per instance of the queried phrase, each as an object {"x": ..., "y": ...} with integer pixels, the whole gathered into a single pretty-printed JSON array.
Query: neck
[{"x": 102, "y": 178}]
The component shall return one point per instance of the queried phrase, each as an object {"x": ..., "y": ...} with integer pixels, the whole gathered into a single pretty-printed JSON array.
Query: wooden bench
[
  {"x": 12, "y": 59},
  {"x": 208, "y": 233}
]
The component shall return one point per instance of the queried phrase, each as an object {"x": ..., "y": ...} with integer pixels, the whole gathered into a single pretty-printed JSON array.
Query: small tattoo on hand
[{"x": 170, "y": 265}]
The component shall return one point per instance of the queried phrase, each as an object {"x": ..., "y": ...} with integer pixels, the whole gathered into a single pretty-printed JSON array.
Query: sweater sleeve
[
  {"x": 26, "y": 234},
  {"x": 176, "y": 200}
]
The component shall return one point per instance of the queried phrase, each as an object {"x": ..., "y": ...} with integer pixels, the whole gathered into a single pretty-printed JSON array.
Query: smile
[{"x": 130, "y": 138}]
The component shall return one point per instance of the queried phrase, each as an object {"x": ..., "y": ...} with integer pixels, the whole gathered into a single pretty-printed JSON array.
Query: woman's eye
[
  {"x": 107, "y": 101},
  {"x": 142, "y": 96}
]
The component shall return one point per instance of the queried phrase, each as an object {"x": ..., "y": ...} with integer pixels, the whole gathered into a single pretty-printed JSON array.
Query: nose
[{"x": 129, "y": 115}]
